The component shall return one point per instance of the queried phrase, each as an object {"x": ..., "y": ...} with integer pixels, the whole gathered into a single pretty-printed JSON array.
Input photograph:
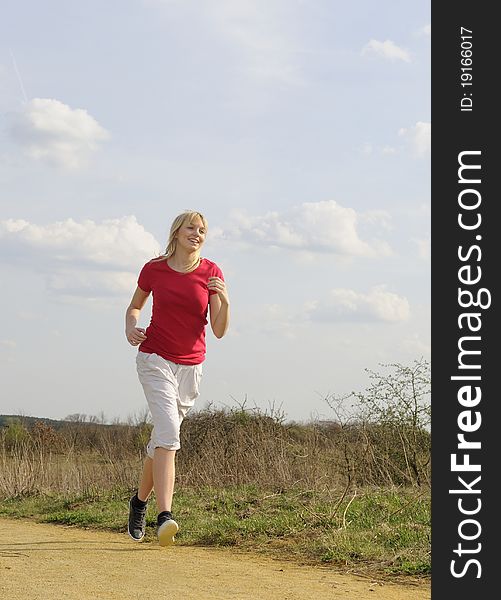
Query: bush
[{"x": 386, "y": 434}]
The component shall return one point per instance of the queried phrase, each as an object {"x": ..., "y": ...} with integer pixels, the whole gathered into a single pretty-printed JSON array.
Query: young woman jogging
[{"x": 185, "y": 288}]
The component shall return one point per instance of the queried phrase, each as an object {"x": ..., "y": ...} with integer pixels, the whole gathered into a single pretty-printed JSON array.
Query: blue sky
[{"x": 300, "y": 129}]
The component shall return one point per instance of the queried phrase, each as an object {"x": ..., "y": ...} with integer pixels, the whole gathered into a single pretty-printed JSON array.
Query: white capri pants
[{"x": 170, "y": 390}]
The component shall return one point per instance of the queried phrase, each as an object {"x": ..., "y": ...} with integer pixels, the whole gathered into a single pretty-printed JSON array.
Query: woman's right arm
[{"x": 135, "y": 335}]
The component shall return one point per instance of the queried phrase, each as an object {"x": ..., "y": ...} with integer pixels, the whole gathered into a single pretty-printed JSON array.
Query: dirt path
[{"x": 39, "y": 561}]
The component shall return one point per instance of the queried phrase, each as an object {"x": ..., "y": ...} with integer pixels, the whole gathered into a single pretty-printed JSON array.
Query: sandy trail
[{"x": 39, "y": 561}]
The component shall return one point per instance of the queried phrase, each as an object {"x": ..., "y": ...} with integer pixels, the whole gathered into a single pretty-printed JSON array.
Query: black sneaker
[
  {"x": 137, "y": 519},
  {"x": 166, "y": 528}
]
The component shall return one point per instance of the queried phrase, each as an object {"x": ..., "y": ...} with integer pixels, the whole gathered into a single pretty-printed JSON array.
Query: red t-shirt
[{"x": 179, "y": 314}]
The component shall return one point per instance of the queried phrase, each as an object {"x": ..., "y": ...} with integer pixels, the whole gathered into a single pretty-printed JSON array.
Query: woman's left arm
[{"x": 219, "y": 305}]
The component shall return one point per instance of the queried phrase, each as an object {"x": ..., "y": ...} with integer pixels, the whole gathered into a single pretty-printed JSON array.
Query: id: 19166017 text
[{"x": 466, "y": 69}]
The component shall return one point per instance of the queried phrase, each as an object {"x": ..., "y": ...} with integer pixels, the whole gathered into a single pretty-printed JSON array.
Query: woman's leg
[
  {"x": 146, "y": 484},
  {"x": 170, "y": 391},
  {"x": 158, "y": 378},
  {"x": 164, "y": 474},
  {"x": 159, "y": 474}
]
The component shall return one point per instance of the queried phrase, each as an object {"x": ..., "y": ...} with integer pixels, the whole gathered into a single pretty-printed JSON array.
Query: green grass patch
[{"x": 375, "y": 529}]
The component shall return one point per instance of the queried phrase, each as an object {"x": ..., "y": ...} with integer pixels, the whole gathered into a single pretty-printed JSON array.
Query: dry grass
[{"x": 219, "y": 448}]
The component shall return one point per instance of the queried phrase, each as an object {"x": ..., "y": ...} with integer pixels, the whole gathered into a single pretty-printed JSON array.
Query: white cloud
[
  {"x": 387, "y": 50},
  {"x": 348, "y": 305},
  {"x": 89, "y": 283},
  {"x": 257, "y": 33},
  {"x": 426, "y": 30},
  {"x": 257, "y": 27},
  {"x": 85, "y": 259},
  {"x": 336, "y": 306},
  {"x": 7, "y": 344},
  {"x": 415, "y": 346},
  {"x": 276, "y": 319},
  {"x": 324, "y": 226},
  {"x": 51, "y": 131},
  {"x": 422, "y": 210},
  {"x": 419, "y": 137},
  {"x": 388, "y": 150},
  {"x": 377, "y": 217},
  {"x": 423, "y": 247},
  {"x": 367, "y": 148}
]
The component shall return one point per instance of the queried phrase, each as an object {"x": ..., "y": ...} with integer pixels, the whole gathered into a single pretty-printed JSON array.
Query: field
[{"x": 354, "y": 495}]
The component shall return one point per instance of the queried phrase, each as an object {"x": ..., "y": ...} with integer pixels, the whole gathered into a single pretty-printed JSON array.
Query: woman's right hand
[{"x": 135, "y": 335}]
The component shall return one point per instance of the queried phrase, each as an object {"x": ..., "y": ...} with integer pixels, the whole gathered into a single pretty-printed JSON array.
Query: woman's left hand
[{"x": 216, "y": 284}]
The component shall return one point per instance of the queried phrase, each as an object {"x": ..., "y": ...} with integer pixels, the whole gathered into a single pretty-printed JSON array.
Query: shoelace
[{"x": 138, "y": 516}]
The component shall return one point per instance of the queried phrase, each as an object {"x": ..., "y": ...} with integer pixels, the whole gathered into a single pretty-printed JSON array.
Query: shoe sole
[
  {"x": 166, "y": 533},
  {"x": 134, "y": 538}
]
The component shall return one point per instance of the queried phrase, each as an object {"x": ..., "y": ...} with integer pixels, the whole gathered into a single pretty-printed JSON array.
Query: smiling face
[{"x": 191, "y": 235}]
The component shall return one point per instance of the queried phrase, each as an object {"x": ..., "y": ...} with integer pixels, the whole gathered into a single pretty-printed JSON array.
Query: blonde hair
[{"x": 186, "y": 216}]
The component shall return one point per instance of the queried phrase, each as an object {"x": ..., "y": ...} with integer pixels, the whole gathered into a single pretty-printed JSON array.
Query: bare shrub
[
  {"x": 385, "y": 432},
  {"x": 382, "y": 439}
]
